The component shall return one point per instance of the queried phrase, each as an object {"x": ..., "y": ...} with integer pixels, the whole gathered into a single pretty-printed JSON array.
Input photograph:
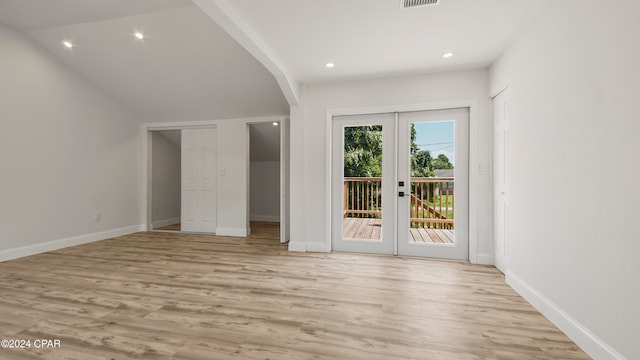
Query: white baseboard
[
  {"x": 297, "y": 246},
  {"x": 266, "y": 218},
  {"x": 165, "y": 222},
  {"x": 29, "y": 250},
  {"x": 318, "y": 247},
  {"x": 484, "y": 259},
  {"x": 240, "y": 232},
  {"x": 583, "y": 337}
]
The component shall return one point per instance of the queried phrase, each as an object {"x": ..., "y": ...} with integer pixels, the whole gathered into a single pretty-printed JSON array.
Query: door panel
[
  {"x": 500, "y": 176},
  {"x": 433, "y": 160},
  {"x": 363, "y": 176},
  {"x": 199, "y": 203}
]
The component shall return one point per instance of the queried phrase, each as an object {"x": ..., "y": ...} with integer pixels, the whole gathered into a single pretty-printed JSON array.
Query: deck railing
[{"x": 432, "y": 200}]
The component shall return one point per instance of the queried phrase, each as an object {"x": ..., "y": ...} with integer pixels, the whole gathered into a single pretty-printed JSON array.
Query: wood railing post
[
  {"x": 431, "y": 204},
  {"x": 345, "y": 207},
  {"x": 430, "y": 201}
]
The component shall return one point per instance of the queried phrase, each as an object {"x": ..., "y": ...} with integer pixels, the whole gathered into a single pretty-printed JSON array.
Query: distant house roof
[{"x": 445, "y": 173}]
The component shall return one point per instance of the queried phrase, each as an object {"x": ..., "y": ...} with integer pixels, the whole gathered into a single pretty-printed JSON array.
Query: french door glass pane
[
  {"x": 362, "y": 182},
  {"x": 432, "y": 159}
]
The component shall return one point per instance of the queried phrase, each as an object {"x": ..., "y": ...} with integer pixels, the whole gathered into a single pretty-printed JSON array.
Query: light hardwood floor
[{"x": 161, "y": 296}]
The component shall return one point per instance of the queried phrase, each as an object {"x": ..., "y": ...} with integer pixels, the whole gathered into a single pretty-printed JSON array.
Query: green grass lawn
[
  {"x": 446, "y": 206},
  {"x": 447, "y": 201}
]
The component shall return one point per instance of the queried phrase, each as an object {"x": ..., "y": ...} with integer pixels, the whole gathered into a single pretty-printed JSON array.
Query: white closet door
[
  {"x": 199, "y": 180},
  {"x": 500, "y": 179}
]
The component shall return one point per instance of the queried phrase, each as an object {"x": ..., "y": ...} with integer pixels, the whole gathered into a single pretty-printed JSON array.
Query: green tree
[
  {"x": 420, "y": 159},
  {"x": 363, "y": 151},
  {"x": 363, "y": 154},
  {"x": 441, "y": 162},
  {"x": 414, "y": 147},
  {"x": 421, "y": 164}
]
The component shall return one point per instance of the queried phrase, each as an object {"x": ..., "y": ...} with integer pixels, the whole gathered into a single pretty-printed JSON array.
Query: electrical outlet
[
  {"x": 97, "y": 216},
  {"x": 484, "y": 169}
]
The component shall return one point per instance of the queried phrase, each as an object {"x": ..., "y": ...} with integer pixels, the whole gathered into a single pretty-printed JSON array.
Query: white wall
[
  {"x": 265, "y": 190},
  {"x": 285, "y": 191},
  {"x": 67, "y": 151},
  {"x": 297, "y": 174},
  {"x": 166, "y": 172},
  {"x": 309, "y": 142},
  {"x": 574, "y": 85},
  {"x": 233, "y": 178}
]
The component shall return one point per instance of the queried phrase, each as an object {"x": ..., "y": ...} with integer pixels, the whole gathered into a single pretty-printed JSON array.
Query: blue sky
[{"x": 437, "y": 137}]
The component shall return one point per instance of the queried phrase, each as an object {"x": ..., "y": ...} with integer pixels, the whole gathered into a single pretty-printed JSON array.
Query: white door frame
[
  {"x": 473, "y": 159},
  {"x": 146, "y": 153}
]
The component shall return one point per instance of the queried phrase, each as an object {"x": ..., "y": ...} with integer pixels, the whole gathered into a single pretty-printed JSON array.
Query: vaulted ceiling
[
  {"x": 212, "y": 59},
  {"x": 187, "y": 67},
  {"x": 40, "y": 14}
]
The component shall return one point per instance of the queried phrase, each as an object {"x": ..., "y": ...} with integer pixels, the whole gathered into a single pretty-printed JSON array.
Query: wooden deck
[
  {"x": 439, "y": 236},
  {"x": 361, "y": 228},
  {"x": 369, "y": 229}
]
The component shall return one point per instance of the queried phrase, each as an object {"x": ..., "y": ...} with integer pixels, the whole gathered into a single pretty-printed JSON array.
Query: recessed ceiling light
[
  {"x": 329, "y": 65},
  {"x": 139, "y": 35},
  {"x": 67, "y": 44},
  {"x": 447, "y": 55},
  {"x": 275, "y": 123}
]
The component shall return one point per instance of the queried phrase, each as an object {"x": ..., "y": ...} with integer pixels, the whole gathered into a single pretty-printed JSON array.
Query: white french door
[
  {"x": 433, "y": 214},
  {"x": 363, "y": 218},
  {"x": 400, "y": 183},
  {"x": 199, "y": 213}
]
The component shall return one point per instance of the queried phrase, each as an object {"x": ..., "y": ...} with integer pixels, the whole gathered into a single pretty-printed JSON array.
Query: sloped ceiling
[
  {"x": 38, "y": 14},
  {"x": 187, "y": 67}
]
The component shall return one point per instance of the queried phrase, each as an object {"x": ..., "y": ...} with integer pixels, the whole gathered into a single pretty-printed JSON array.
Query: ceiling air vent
[{"x": 405, "y": 4}]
